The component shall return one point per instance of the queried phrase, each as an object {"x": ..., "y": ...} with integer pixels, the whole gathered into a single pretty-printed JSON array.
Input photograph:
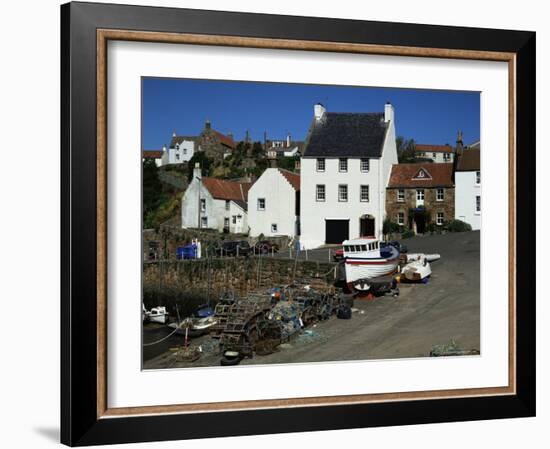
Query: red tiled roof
[
  {"x": 225, "y": 140},
  {"x": 468, "y": 160},
  {"x": 435, "y": 175},
  {"x": 152, "y": 154},
  {"x": 433, "y": 148},
  {"x": 227, "y": 190},
  {"x": 292, "y": 178}
]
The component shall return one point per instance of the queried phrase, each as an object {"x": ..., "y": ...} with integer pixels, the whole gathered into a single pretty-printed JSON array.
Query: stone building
[
  {"x": 441, "y": 154},
  {"x": 215, "y": 145},
  {"x": 418, "y": 194}
]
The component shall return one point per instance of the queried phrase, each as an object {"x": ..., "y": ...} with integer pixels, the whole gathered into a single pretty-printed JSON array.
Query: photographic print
[{"x": 293, "y": 223}]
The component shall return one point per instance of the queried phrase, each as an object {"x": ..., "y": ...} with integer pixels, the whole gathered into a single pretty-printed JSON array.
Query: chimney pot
[
  {"x": 389, "y": 112},
  {"x": 319, "y": 111}
]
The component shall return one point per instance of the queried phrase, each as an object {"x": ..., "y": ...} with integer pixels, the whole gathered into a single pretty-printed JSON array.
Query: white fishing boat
[
  {"x": 195, "y": 326},
  {"x": 158, "y": 315},
  {"x": 365, "y": 260},
  {"x": 417, "y": 270}
]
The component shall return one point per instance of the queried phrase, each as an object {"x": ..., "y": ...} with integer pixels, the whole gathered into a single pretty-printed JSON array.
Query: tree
[
  {"x": 406, "y": 150},
  {"x": 257, "y": 149},
  {"x": 204, "y": 162},
  {"x": 152, "y": 187}
]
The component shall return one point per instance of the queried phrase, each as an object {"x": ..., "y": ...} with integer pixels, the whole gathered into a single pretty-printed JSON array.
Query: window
[
  {"x": 343, "y": 192},
  {"x": 226, "y": 223},
  {"x": 401, "y": 218},
  {"x": 401, "y": 195},
  {"x": 261, "y": 203},
  {"x": 185, "y": 151},
  {"x": 365, "y": 164},
  {"x": 439, "y": 218},
  {"x": 434, "y": 155},
  {"x": 364, "y": 196},
  {"x": 320, "y": 164},
  {"x": 203, "y": 205},
  {"x": 446, "y": 157},
  {"x": 234, "y": 219},
  {"x": 478, "y": 203},
  {"x": 204, "y": 222},
  {"x": 478, "y": 177},
  {"x": 227, "y": 202},
  {"x": 440, "y": 195},
  {"x": 177, "y": 156},
  {"x": 343, "y": 165},
  {"x": 320, "y": 192},
  {"x": 274, "y": 227},
  {"x": 420, "y": 195}
]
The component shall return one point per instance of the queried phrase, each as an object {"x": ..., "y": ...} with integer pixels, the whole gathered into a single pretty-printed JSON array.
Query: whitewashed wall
[
  {"x": 466, "y": 190},
  {"x": 280, "y": 205}
]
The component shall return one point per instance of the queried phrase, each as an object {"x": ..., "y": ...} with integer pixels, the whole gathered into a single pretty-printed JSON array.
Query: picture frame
[{"x": 85, "y": 30}]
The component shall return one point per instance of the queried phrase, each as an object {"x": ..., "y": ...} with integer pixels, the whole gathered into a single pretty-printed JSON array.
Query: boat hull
[{"x": 359, "y": 271}]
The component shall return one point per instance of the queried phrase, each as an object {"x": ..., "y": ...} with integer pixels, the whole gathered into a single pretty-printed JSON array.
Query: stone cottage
[{"x": 420, "y": 193}]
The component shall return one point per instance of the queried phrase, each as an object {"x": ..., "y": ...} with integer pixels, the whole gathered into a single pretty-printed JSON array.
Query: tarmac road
[{"x": 423, "y": 315}]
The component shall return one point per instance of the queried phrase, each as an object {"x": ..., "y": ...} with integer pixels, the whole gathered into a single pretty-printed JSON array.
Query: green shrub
[
  {"x": 407, "y": 234},
  {"x": 458, "y": 226},
  {"x": 390, "y": 227}
]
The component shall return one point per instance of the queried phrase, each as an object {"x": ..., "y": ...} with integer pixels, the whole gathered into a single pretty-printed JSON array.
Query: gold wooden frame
[{"x": 104, "y": 35}]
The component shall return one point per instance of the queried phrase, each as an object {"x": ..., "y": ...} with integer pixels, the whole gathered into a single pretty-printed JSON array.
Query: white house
[
  {"x": 468, "y": 187},
  {"x": 441, "y": 154},
  {"x": 344, "y": 172},
  {"x": 274, "y": 203},
  {"x": 212, "y": 203},
  {"x": 156, "y": 155},
  {"x": 181, "y": 150}
]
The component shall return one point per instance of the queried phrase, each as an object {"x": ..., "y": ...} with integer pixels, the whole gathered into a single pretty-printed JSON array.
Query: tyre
[{"x": 227, "y": 361}]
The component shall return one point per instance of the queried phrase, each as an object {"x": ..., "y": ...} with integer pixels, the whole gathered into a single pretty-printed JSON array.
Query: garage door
[{"x": 336, "y": 231}]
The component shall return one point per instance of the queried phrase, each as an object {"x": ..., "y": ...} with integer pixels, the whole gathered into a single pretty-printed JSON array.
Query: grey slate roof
[{"x": 340, "y": 134}]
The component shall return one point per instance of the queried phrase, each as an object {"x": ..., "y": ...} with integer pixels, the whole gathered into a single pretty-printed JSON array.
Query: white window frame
[
  {"x": 341, "y": 189},
  {"x": 437, "y": 197},
  {"x": 203, "y": 205},
  {"x": 399, "y": 199},
  {"x": 420, "y": 192},
  {"x": 234, "y": 219},
  {"x": 343, "y": 165},
  {"x": 446, "y": 157},
  {"x": 478, "y": 204},
  {"x": 478, "y": 177},
  {"x": 439, "y": 218},
  {"x": 361, "y": 191},
  {"x": 321, "y": 161},
  {"x": 317, "y": 191},
  {"x": 261, "y": 208},
  {"x": 401, "y": 218},
  {"x": 365, "y": 162},
  {"x": 204, "y": 222},
  {"x": 227, "y": 204},
  {"x": 274, "y": 227}
]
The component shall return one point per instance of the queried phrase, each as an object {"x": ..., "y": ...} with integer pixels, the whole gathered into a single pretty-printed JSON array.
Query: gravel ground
[{"x": 423, "y": 315}]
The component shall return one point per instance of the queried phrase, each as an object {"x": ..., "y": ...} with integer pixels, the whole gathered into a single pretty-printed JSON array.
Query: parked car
[
  {"x": 265, "y": 247},
  {"x": 234, "y": 248},
  {"x": 186, "y": 252}
]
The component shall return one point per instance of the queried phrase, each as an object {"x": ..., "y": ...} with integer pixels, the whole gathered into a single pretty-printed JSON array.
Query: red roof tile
[
  {"x": 225, "y": 140},
  {"x": 433, "y": 148},
  {"x": 421, "y": 175},
  {"x": 152, "y": 154},
  {"x": 292, "y": 178},
  {"x": 468, "y": 160},
  {"x": 227, "y": 190}
]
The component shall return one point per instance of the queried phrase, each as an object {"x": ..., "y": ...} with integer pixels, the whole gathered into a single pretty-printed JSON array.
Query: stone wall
[
  {"x": 447, "y": 206},
  {"x": 193, "y": 282}
]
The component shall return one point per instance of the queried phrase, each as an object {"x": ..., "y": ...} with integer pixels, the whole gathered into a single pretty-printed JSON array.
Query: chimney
[
  {"x": 174, "y": 133},
  {"x": 459, "y": 142},
  {"x": 272, "y": 156},
  {"x": 318, "y": 111},
  {"x": 164, "y": 148},
  {"x": 388, "y": 112},
  {"x": 197, "y": 173},
  {"x": 288, "y": 140},
  {"x": 207, "y": 124}
]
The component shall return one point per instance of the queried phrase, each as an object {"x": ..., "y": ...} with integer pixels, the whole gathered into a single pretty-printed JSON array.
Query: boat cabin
[{"x": 360, "y": 245}]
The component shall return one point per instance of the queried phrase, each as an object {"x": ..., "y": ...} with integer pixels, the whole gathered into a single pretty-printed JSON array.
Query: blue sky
[{"x": 427, "y": 116}]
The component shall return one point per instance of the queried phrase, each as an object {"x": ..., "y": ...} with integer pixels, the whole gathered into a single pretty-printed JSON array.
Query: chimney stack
[
  {"x": 174, "y": 133},
  {"x": 288, "y": 140},
  {"x": 388, "y": 112},
  {"x": 319, "y": 111},
  {"x": 459, "y": 142},
  {"x": 207, "y": 124},
  {"x": 197, "y": 173},
  {"x": 164, "y": 148}
]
